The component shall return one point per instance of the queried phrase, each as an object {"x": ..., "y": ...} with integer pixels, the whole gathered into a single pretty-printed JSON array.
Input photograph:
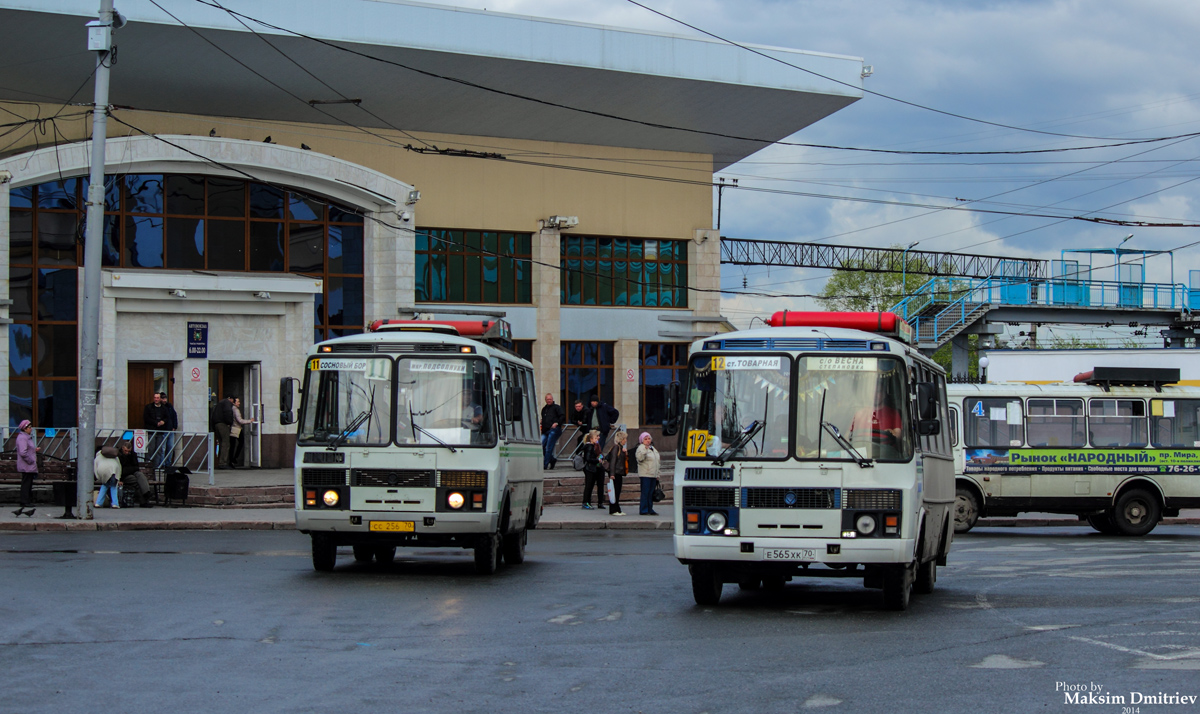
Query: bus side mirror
[
  {"x": 671, "y": 422},
  {"x": 929, "y": 427},
  {"x": 512, "y": 408},
  {"x": 927, "y": 401},
  {"x": 286, "y": 390}
]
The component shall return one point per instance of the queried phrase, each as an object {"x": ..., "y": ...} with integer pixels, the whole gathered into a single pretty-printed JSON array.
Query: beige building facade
[{"x": 590, "y": 234}]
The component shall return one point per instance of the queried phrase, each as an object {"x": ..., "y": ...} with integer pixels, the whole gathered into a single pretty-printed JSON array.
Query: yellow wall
[{"x": 458, "y": 192}]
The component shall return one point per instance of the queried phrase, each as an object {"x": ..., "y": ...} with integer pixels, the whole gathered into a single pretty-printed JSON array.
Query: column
[
  {"x": 547, "y": 299},
  {"x": 626, "y": 396},
  {"x": 5, "y": 300}
]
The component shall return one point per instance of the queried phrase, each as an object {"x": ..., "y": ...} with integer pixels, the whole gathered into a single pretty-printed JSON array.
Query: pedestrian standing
[
  {"x": 601, "y": 417},
  {"x": 222, "y": 418},
  {"x": 618, "y": 466},
  {"x": 592, "y": 469},
  {"x": 26, "y": 466},
  {"x": 237, "y": 434},
  {"x": 647, "y": 461},
  {"x": 552, "y": 426}
]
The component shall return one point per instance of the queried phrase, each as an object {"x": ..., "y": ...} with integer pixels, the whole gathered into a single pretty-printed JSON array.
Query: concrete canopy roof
[{"x": 658, "y": 78}]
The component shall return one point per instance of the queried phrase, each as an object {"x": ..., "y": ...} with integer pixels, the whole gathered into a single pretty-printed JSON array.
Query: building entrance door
[
  {"x": 146, "y": 378},
  {"x": 241, "y": 380}
]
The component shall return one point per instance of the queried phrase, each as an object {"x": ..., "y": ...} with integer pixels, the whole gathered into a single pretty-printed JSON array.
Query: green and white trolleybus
[
  {"x": 419, "y": 434},
  {"x": 812, "y": 447}
]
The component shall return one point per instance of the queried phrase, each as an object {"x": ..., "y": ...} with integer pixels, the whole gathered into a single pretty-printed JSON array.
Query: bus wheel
[
  {"x": 966, "y": 510},
  {"x": 514, "y": 547},
  {"x": 1137, "y": 513},
  {"x": 706, "y": 585},
  {"x": 897, "y": 587},
  {"x": 1103, "y": 522},
  {"x": 324, "y": 553},
  {"x": 363, "y": 553},
  {"x": 385, "y": 554},
  {"x": 487, "y": 554},
  {"x": 926, "y": 577}
]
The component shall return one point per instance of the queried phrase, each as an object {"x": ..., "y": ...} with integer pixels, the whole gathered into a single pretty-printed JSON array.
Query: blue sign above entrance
[{"x": 197, "y": 337}]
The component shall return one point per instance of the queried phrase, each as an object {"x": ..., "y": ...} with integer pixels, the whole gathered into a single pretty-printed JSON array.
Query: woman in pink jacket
[{"x": 26, "y": 466}]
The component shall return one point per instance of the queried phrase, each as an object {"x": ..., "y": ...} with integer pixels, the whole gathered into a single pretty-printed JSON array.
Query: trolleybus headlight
[
  {"x": 716, "y": 521},
  {"x": 455, "y": 500},
  {"x": 330, "y": 498},
  {"x": 865, "y": 524}
]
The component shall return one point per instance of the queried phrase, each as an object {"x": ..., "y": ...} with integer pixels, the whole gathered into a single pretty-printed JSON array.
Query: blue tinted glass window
[
  {"x": 20, "y": 236},
  {"x": 345, "y": 249},
  {"x": 226, "y": 245},
  {"x": 266, "y": 247},
  {"x": 302, "y": 208},
  {"x": 185, "y": 243},
  {"x": 57, "y": 355},
  {"x": 20, "y": 402},
  {"x": 20, "y": 350},
  {"x": 226, "y": 197},
  {"x": 143, "y": 242},
  {"x": 343, "y": 215},
  {"x": 59, "y": 194},
  {"x": 185, "y": 195},
  {"x": 57, "y": 290},
  {"x": 265, "y": 201},
  {"x": 143, "y": 193},
  {"x": 56, "y": 404},
  {"x": 57, "y": 236},
  {"x": 21, "y": 197},
  {"x": 345, "y": 300},
  {"x": 20, "y": 291},
  {"x": 306, "y": 248}
]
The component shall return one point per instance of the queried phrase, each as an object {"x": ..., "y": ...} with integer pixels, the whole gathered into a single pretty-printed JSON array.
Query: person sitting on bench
[{"x": 132, "y": 474}]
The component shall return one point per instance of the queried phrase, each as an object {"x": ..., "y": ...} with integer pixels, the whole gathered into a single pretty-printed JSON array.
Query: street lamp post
[{"x": 983, "y": 365}]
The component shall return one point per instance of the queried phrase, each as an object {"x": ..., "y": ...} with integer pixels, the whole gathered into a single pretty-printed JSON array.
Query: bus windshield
[
  {"x": 347, "y": 400},
  {"x": 740, "y": 402},
  {"x": 444, "y": 400},
  {"x": 861, "y": 398}
]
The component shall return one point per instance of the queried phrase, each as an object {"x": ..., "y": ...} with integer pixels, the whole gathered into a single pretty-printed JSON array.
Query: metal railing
[
  {"x": 164, "y": 449},
  {"x": 571, "y": 432}
]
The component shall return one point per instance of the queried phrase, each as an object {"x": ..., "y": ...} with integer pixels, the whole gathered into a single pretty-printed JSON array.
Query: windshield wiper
[
  {"x": 350, "y": 429},
  {"x": 863, "y": 461},
  {"x": 416, "y": 427},
  {"x": 740, "y": 442}
]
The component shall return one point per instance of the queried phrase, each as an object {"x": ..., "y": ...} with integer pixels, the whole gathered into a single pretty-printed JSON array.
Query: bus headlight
[
  {"x": 330, "y": 498},
  {"x": 455, "y": 500},
  {"x": 865, "y": 524},
  {"x": 716, "y": 521}
]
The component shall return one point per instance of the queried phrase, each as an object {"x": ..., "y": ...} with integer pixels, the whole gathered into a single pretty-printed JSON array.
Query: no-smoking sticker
[
  {"x": 195, "y": 374},
  {"x": 630, "y": 375}
]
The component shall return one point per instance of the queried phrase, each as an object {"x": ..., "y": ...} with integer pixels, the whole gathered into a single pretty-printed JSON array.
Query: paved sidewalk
[{"x": 553, "y": 518}]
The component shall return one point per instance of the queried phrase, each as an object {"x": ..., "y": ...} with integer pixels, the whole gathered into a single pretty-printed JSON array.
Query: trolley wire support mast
[{"x": 812, "y": 447}]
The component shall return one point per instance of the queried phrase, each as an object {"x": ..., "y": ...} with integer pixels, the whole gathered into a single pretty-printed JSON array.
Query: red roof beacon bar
[
  {"x": 883, "y": 323},
  {"x": 482, "y": 330}
]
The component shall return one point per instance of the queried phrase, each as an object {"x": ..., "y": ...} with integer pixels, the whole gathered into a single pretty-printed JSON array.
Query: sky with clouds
[{"x": 1097, "y": 68}]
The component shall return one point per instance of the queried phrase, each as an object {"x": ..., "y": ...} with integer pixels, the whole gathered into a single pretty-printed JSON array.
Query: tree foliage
[{"x": 851, "y": 289}]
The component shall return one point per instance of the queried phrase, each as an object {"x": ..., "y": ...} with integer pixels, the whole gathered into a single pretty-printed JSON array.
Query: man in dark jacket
[
  {"x": 159, "y": 417},
  {"x": 601, "y": 418},
  {"x": 132, "y": 474},
  {"x": 553, "y": 419},
  {"x": 222, "y": 423}
]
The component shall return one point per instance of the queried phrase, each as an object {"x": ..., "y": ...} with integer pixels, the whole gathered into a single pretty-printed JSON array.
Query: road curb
[{"x": 66, "y": 526}]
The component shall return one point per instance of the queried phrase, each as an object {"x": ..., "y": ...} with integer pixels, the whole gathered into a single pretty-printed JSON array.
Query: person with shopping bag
[
  {"x": 618, "y": 466},
  {"x": 107, "y": 469},
  {"x": 648, "y": 460}
]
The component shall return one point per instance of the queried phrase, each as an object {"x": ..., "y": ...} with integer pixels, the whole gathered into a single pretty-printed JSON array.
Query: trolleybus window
[
  {"x": 953, "y": 426},
  {"x": 1173, "y": 422},
  {"x": 347, "y": 399},
  {"x": 732, "y": 394},
  {"x": 1117, "y": 423},
  {"x": 1056, "y": 422},
  {"x": 445, "y": 401},
  {"x": 993, "y": 421},
  {"x": 864, "y": 399}
]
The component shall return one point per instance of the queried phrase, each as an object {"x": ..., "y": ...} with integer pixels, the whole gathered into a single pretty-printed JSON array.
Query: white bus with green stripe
[{"x": 417, "y": 434}]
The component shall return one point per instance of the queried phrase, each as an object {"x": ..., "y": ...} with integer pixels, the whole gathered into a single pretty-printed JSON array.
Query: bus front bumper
[
  {"x": 794, "y": 551},
  {"x": 396, "y": 525}
]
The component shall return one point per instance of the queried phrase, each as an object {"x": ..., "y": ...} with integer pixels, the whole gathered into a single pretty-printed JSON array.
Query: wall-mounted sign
[{"x": 197, "y": 337}]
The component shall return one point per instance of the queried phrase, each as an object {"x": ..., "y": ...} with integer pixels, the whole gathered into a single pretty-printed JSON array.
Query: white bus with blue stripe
[
  {"x": 419, "y": 434},
  {"x": 813, "y": 447}
]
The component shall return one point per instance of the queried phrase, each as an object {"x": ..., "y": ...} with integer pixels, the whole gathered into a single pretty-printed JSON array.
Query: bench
[{"x": 55, "y": 473}]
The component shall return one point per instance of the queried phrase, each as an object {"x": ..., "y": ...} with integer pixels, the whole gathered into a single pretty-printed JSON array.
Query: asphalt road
[{"x": 593, "y": 621}]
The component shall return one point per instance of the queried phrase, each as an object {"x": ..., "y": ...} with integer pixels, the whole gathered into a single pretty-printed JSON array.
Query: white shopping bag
[{"x": 612, "y": 493}]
